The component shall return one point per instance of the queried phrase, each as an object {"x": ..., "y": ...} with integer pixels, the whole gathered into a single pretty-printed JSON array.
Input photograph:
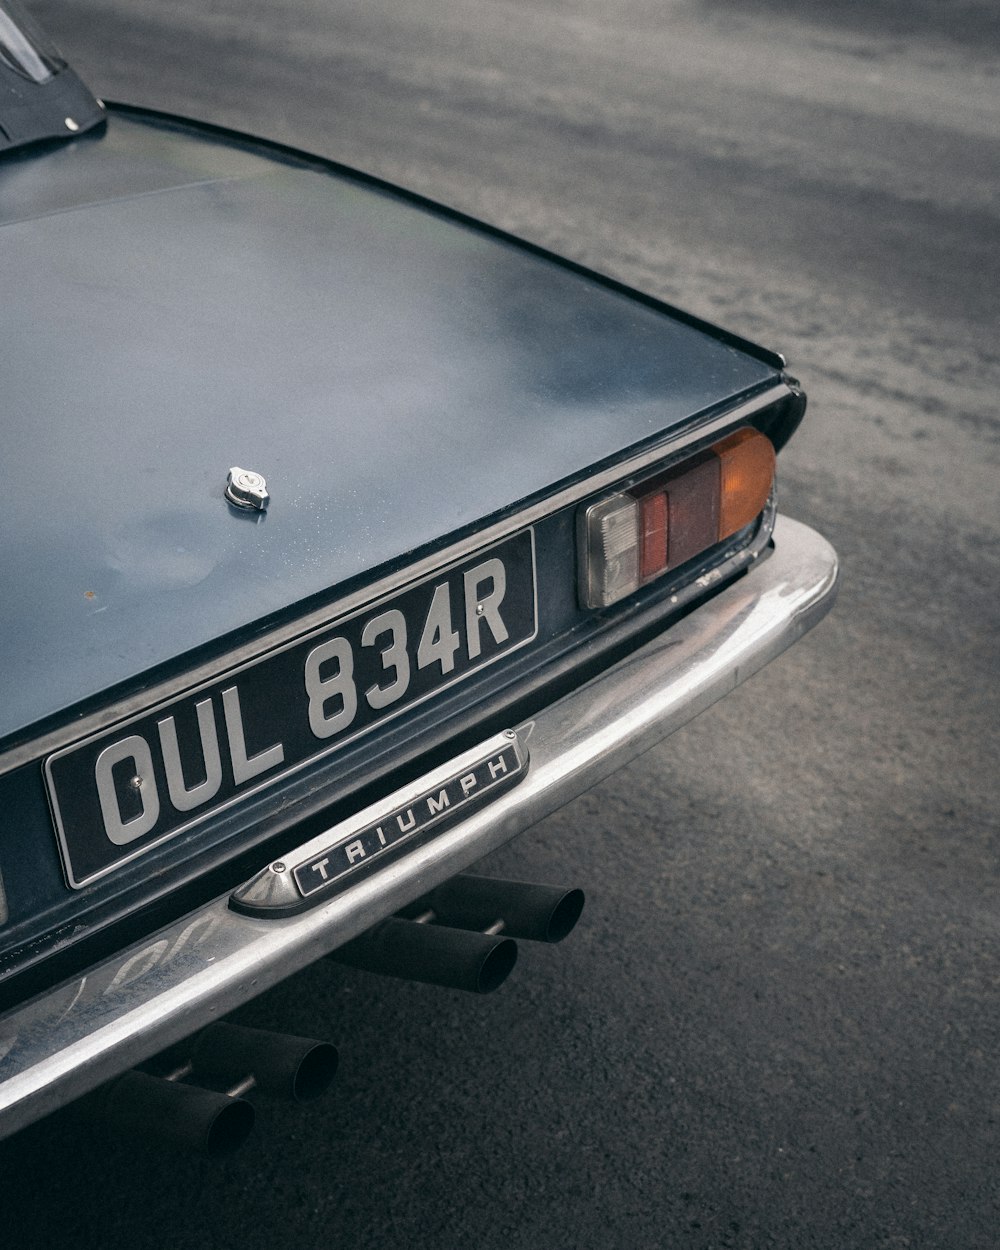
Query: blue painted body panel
[{"x": 184, "y": 305}]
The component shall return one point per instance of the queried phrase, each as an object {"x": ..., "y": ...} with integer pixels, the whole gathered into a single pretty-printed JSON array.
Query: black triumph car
[{"x": 344, "y": 538}]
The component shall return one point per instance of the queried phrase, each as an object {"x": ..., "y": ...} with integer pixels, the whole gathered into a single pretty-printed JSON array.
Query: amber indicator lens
[
  {"x": 746, "y": 462},
  {"x": 634, "y": 536}
]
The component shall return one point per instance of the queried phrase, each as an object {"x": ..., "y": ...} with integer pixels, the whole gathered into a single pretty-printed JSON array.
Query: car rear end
[{"x": 503, "y": 525}]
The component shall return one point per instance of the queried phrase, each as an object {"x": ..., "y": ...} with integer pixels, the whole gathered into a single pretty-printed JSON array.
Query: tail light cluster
[{"x": 632, "y": 537}]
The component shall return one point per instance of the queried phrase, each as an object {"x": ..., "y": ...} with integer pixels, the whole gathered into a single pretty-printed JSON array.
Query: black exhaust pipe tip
[
  {"x": 197, "y": 1121},
  {"x": 316, "y": 1072},
  {"x": 497, "y": 966},
  {"x": 564, "y": 916},
  {"x": 282, "y": 1065},
  {"x": 230, "y": 1128},
  {"x": 539, "y": 913},
  {"x": 433, "y": 954}
]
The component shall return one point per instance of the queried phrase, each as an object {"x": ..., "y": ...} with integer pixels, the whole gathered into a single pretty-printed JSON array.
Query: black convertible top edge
[{"x": 288, "y": 152}]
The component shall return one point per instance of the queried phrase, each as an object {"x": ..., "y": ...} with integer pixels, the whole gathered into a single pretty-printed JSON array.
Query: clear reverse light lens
[{"x": 611, "y": 540}]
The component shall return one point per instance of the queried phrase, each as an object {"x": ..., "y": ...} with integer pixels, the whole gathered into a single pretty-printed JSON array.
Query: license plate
[{"x": 118, "y": 794}]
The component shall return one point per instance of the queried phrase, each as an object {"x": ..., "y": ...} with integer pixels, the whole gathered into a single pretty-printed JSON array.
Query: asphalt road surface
[{"x": 777, "y": 1024}]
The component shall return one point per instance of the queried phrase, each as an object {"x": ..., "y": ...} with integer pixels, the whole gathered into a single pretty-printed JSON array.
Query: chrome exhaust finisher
[
  {"x": 518, "y": 909},
  {"x": 163, "y": 989},
  {"x": 152, "y": 1109},
  {"x": 279, "y": 1064},
  {"x": 455, "y": 958}
]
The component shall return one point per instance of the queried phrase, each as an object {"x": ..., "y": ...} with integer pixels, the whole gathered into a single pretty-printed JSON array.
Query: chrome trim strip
[
  {"x": 278, "y": 889},
  {"x": 65, "y": 735},
  {"x": 120, "y": 1012}
]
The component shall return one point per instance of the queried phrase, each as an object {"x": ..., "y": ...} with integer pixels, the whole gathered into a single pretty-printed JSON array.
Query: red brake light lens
[{"x": 655, "y": 531}]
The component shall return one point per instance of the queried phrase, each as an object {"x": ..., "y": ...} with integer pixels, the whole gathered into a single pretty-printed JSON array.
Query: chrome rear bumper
[{"x": 71, "y": 1039}]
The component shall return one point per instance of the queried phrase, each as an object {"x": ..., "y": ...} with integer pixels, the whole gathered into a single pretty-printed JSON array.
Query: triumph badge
[{"x": 247, "y": 489}]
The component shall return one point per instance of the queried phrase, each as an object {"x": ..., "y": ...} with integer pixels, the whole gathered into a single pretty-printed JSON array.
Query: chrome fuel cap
[{"x": 247, "y": 489}]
